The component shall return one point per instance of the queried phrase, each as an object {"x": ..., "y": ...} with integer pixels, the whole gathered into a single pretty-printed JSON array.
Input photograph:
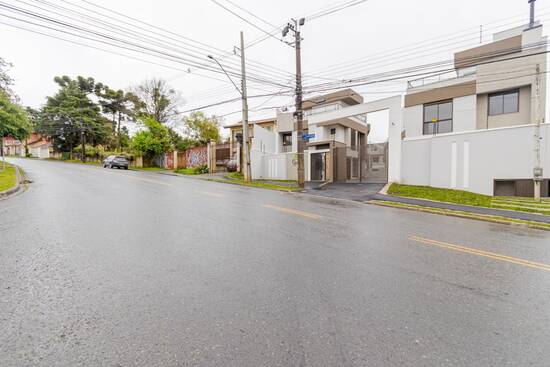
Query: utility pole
[
  {"x": 83, "y": 141},
  {"x": 480, "y": 34},
  {"x": 82, "y": 137},
  {"x": 537, "y": 171},
  {"x": 246, "y": 156},
  {"x": 2, "y": 152},
  {"x": 531, "y": 13},
  {"x": 295, "y": 27},
  {"x": 246, "y": 151}
]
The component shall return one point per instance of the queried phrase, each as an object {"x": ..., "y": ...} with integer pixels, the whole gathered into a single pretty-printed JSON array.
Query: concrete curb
[
  {"x": 14, "y": 190},
  {"x": 511, "y": 214},
  {"x": 385, "y": 189},
  {"x": 463, "y": 215}
]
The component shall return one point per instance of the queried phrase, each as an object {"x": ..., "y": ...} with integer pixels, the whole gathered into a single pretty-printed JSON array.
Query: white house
[{"x": 475, "y": 130}]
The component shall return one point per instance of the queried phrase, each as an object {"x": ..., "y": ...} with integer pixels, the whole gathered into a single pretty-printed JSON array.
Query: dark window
[
  {"x": 333, "y": 131},
  {"x": 504, "y": 102},
  {"x": 438, "y": 118},
  {"x": 353, "y": 138},
  {"x": 287, "y": 139}
]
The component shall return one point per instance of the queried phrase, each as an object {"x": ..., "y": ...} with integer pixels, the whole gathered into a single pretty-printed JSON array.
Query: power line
[
  {"x": 157, "y": 52},
  {"x": 335, "y": 9},
  {"x": 475, "y": 60},
  {"x": 246, "y": 20},
  {"x": 414, "y": 47},
  {"x": 252, "y": 14},
  {"x": 132, "y": 34}
]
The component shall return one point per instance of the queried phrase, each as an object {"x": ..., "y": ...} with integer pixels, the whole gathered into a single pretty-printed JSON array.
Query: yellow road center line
[
  {"x": 293, "y": 212},
  {"x": 210, "y": 194},
  {"x": 487, "y": 254},
  {"x": 147, "y": 180}
]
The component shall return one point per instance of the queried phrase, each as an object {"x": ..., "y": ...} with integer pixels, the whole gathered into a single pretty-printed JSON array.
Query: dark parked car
[
  {"x": 113, "y": 161},
  {"x": 232, "y": 166}
]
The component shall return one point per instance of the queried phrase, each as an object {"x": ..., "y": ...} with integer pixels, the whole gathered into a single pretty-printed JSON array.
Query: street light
[
  {"x": 246, "y": 156},
  {"x": 221, "y": 67}
]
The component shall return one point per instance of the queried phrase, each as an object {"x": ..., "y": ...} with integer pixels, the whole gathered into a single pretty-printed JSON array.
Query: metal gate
[{"x": 377, "y": 163}]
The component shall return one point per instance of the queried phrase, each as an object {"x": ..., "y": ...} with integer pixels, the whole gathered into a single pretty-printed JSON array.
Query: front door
[{"x": 318, "y": 167}]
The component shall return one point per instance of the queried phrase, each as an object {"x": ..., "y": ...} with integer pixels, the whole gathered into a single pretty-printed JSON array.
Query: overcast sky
[{"x": 399, "y": 33}]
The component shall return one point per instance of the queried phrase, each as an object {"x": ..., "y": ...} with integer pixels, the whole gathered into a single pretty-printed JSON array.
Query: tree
[
  {"x": 13, "y": 122},
  {"x": 202, "y": 129},
  {"x": 152, "y": 141},
  {"x": 71, "y": 115},
  {"x": 119, "y": 104},
  {"x": 154, "y": 97},
  {"x": 178, "y": 142},
  {"x": 6, "y": 80}
]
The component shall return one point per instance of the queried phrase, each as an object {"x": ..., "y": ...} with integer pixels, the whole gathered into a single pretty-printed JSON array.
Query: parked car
[
  {"x": 113, "y": 161},
  {"x": 232, "y": 166}
]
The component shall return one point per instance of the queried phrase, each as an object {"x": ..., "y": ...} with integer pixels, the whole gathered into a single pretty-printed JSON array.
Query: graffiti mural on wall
[{"x": 195, "y": 157}]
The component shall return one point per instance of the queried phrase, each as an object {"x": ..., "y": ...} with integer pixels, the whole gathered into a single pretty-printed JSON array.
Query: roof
[
  {"x": 262, "y": 121},
  {"x": 38, "y": 144},
  {"x": 348, "y": 96}
]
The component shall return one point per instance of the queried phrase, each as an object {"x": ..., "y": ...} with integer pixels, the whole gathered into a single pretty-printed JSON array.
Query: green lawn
[
  {"x": 470, "y": 198},
  {"x": 8, "y": 178},
  {"x": 150, "y": 168},
  {"x": 186, "y": 171},
  {"x": 258, "y": 184}
]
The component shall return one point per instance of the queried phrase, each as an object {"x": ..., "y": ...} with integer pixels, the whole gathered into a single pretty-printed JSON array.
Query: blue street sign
[{"x": 306, "y": 137}]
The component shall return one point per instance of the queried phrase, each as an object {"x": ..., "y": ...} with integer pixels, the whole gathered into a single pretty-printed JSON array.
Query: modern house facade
[
  {"x": 274, "y": 144},
  {"x": 475, "y": 131},
  {"x": 337, "y": 150},
  {"x": 472, "y": 128}
]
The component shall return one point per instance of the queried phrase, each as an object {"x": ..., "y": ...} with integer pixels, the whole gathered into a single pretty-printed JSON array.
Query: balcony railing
[{"x": 436, "y": 78}]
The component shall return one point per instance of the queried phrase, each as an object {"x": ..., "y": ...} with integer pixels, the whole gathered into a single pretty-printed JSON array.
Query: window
[
  {"x": 333, "y": 131},
  {"x": 287, "y": 139},
  {"x": 438, "y": 118},
  {"x": 504, "y": 102},
  {"x": 353, "y": 142}
]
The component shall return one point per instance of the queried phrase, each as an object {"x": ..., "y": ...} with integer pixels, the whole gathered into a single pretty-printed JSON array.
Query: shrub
[{"x": 200, "y": 170}]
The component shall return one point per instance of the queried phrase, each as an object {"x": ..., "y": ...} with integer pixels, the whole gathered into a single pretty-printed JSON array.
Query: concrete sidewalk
[
  {"x": 364, "y": 192},
  {"x": 350, "y": 191}
]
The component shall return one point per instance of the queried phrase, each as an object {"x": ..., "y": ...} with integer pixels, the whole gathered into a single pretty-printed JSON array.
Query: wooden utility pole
[{"x": 246, "y": 154}]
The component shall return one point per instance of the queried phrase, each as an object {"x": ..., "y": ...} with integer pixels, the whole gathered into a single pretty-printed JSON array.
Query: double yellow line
[{"x": 487, "y": 254}]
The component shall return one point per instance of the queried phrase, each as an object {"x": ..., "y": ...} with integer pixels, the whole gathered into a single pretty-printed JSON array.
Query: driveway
[{"x": 349, "y": 191}]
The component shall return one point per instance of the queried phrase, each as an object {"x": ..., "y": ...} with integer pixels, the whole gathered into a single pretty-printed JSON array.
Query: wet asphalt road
[{"x": 121, "y": 268}]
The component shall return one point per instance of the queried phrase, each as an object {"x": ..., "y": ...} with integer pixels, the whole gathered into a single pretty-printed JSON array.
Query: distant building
[{"x": 36, "y": 146}]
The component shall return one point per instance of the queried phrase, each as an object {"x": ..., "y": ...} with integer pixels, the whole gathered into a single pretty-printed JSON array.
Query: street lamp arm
[{"x": 217, "y": 62}]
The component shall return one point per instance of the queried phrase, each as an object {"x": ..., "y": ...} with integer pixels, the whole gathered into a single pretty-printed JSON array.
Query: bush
[
  {"x": 193, "y": 171},
  {"x": 200, "y": 170}
]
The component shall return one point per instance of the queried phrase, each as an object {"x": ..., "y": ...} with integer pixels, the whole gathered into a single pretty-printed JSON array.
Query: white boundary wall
[
  {"x": 394, "y": 105},
  {"x": 265, "y": 162},
  {"x": 472, "y": 160}
]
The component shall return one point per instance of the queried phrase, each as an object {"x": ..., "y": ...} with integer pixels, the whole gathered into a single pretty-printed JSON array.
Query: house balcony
[{"x": 442, "y": 79}]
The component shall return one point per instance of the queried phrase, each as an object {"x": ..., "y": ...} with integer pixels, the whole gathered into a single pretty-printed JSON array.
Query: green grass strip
[{"x": 8, "y": 177}]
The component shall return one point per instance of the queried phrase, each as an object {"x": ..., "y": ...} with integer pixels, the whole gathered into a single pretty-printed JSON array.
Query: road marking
[
  {"x": 210, "y": 194},
  {"x": 487, "y": 254},
  {"x": 147, "y": 180},
  {"x": 293, "y": 212}
]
